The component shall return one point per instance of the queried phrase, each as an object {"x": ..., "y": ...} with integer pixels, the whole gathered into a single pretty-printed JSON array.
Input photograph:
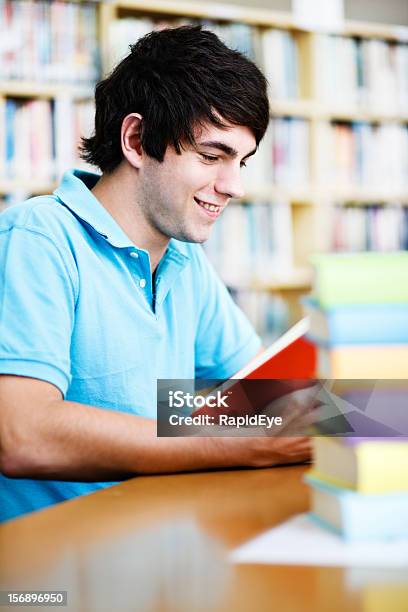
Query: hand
[
  {"x": 260, "y": 452},
  {"x": 267, "y": 452},
  {"x": 298, "y": 414},
  {"x": 279, "y": 446}
]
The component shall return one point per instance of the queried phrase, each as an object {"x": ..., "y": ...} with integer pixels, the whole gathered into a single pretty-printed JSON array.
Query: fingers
[
  {"x": 297, "y": 417},
  {"x": 280, "y": 451}
]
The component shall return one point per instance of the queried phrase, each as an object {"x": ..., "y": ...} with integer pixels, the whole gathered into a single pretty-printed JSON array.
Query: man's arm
[{"x": 43, "y": 436}]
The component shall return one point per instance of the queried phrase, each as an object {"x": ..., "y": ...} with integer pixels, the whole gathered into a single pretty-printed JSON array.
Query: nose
[{"x": 229, "y": 181}]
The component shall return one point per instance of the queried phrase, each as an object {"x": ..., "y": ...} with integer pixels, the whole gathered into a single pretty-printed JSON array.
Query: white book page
[{"x": 300, "y": 541}]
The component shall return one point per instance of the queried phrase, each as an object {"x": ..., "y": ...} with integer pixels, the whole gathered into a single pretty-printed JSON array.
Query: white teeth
[{"x": 210, "y": 207}]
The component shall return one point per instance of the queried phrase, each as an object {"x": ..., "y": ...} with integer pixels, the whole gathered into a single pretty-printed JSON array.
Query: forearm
[
  {"x": 43, "y": 436},
  {"x": 71, "y": 441}
]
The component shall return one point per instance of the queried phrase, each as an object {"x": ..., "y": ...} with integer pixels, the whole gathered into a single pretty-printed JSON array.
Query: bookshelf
[
  {"x": 311, "y": 169},
  {"x": 48, "y": 67}
]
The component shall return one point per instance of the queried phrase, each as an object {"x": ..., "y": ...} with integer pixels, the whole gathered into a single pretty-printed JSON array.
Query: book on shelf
[
  {"x": 368, "y": 465},
  {"x": 28, "y": 151},
  {"x": 268, "y": 312},
  {"x": 72, "y": 120},
  {"x": 385, "y": 82},
  {"x": 282, "y": 159},
  {"x": 359, "y": 517},
  {"x": 62, "y": 45},
  {"x": 41, "y": 137},
  {"x": 362, "y": 154},
  {"x": 240, "y": 36},
  {"x": 357, "y": 323},
  {"x": 337, "y": 56},
  {"x": 127, "y": 30},
  {"x": 369, "y": 228},
  {"x": 290, "y": 152},
  {"x": 360, "y": 278},
  {"x": 258, "y": 171},
  {"x": 252, "y": 243},
  {"x": 367, "y": 73},
  {"x": 280, "y": 63}
]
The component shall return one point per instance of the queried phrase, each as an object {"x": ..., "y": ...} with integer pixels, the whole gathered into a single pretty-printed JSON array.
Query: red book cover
[
  {"x": 288, "y": 365},
  {"x": 290, "y": 356}
]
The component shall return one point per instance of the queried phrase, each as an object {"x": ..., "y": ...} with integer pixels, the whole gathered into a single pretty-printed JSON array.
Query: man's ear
[{"x": 130, "y": 139}]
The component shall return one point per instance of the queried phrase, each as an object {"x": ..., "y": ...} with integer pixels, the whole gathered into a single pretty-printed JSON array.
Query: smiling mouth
[{"x": 214, "y": 209}]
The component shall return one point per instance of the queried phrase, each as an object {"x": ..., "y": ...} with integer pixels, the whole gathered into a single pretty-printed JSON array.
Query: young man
[{"x": 103, "y": 289}]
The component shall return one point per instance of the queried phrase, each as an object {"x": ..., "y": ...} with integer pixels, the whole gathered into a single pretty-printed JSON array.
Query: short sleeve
[
  {"x": 37, "y": 305},
  {"x": 225, "y": 340}
]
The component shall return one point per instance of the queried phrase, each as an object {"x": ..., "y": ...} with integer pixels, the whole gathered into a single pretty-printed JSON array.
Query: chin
[
  {"x": 196, "y": 237},
  {"x": 192, "y": 239}
]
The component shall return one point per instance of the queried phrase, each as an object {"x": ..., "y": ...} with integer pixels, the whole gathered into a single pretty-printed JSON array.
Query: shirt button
[
  {"x": 142, "y": 283},
  {"x": 134, "y": 254}
]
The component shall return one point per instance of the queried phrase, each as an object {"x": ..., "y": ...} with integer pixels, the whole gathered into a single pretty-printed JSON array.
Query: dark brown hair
[{"x": 176, "y": 79}]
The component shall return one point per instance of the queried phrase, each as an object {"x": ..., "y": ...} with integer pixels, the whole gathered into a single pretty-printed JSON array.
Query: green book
[{"x": 361, "y": 278}]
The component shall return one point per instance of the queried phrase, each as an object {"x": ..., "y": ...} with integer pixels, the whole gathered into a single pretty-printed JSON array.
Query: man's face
[{"x": 184, "y": 195}]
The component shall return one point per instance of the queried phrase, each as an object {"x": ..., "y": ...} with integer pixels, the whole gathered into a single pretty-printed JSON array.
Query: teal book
[
  {"x": 361, "y": 278},
  {"x": 355, "y": 516},
  {"x": 356, "y": 323}
]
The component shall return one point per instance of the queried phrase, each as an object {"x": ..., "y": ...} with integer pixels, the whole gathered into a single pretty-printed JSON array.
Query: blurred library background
[{"x": 332, "y": 172}]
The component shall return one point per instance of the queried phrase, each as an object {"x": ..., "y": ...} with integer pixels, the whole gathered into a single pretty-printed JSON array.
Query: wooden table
[{"x": 161, "y": 543}]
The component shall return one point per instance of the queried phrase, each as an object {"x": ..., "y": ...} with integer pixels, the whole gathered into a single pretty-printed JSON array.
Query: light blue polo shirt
[{"x": 77, "y": 310}]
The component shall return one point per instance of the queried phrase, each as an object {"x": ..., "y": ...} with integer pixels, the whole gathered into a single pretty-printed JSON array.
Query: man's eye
[{"x": 210, "y": 158}]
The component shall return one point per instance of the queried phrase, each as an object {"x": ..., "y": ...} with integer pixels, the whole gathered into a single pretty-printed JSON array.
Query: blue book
[
  {"x": 357, "y": 516},
  {"x": 357, "y": 323},
  {"x": 11, "y": 108}
]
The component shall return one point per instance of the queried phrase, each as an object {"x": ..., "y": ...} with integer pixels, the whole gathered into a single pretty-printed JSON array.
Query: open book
[
  {"x": 290, "y": 356},
  {"x": 286, "y": 366}
]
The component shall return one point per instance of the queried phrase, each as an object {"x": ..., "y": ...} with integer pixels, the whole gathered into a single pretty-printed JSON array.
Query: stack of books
[
  {"x": 358, "y": 314},
  {"x": 359, "y": 487}
]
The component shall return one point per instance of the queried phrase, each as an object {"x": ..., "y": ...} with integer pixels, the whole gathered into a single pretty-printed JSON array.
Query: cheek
[
  {"x": 197, "y": 178},
  {"x": 183, "y": 176}
]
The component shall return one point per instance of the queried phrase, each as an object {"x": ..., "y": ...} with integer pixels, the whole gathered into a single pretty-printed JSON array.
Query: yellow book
[
  {"x": 371, "y": 465},
  {"x": 364, "y": 361},
  {"x": 385, "y": 598}
]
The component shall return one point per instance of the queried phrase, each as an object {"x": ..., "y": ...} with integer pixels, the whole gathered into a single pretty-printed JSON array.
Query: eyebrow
[{"x": 217, "y": 144}]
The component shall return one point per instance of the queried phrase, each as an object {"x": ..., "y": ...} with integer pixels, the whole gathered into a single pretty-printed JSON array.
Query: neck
[{"x": 119, "y": 194}]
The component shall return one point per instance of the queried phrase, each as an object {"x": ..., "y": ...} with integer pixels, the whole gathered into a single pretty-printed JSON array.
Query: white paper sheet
[{"x": 299, "y": 541}]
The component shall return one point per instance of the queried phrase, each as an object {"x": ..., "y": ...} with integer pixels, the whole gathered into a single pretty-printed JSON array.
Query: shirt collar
[{"x": 75, "y": 193}]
